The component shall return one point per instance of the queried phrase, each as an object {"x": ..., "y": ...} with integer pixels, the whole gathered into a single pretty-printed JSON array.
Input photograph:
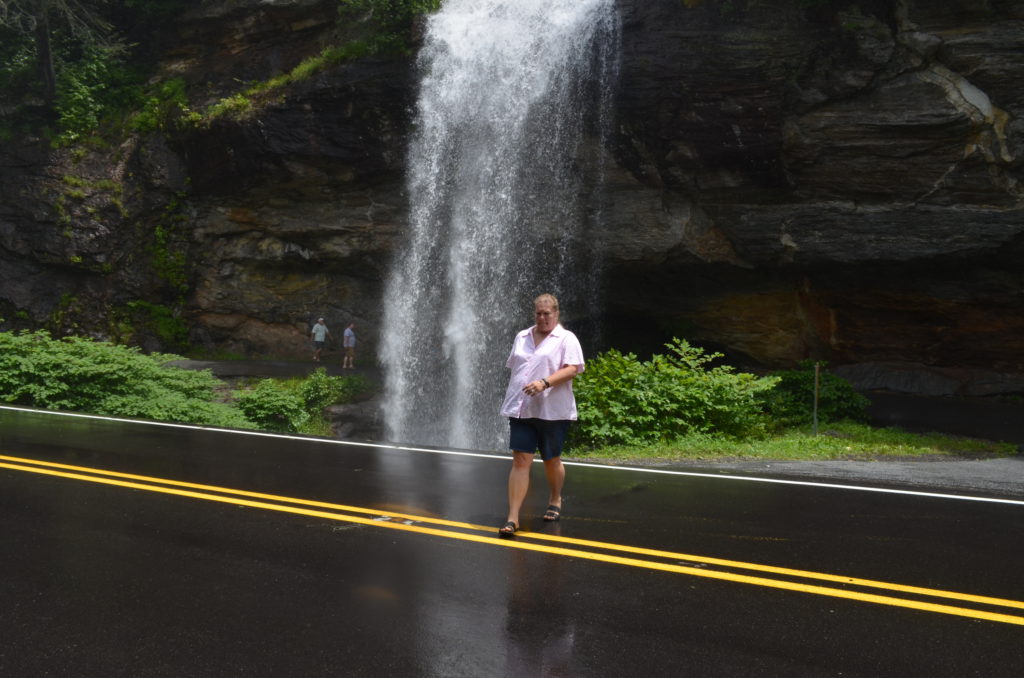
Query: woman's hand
[
  {"x": 565, "y": 374},
  {"x": 534, "y": 387}
]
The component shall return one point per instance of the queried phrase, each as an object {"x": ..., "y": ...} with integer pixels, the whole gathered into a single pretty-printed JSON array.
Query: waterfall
[{"x": 503, "y": 167}]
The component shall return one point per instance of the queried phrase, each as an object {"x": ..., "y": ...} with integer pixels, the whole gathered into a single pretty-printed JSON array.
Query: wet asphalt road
[{"x": 397, "y": 570}]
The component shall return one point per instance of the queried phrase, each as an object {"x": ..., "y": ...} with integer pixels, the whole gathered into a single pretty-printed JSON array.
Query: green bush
[
  {"x": 82, "y": 375},
  {"x": 625, "y": 401},
  {"x": 163, "y": 104},
  {"x": 272, "y": 407},
  {"x": 92, "y": 88},
  {"x": 791, "y": 402},
  {"x": 319, "y": 390}
]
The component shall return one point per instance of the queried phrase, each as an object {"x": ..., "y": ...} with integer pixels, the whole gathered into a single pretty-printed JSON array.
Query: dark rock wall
[
  {"x": 832, "y": 180},
  {"x": 296, "y": 216},
  {"x": 298, "y": 206}
]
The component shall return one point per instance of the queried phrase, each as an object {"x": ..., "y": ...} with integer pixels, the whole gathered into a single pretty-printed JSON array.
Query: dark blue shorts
[
  {"x": 318, "y": 344},
  {"x": 530, "y": 435}
]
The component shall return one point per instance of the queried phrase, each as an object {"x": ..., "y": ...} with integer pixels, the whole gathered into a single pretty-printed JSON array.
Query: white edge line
[{"x": 505, "y": 457}]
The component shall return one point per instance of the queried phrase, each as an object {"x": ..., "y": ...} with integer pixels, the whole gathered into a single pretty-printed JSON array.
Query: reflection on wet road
[{"x": 591, "y": 595}]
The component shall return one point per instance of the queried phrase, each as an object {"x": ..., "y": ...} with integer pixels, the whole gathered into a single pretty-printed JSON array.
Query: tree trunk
[{"x": 44, "y": 52}]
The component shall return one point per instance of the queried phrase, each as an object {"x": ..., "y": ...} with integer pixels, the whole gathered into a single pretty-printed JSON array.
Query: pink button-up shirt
[{"x": 529, "y": 363}]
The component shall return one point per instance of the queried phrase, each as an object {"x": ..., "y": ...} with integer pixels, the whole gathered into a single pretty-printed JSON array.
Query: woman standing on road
[{"x": 539, "y": 404}]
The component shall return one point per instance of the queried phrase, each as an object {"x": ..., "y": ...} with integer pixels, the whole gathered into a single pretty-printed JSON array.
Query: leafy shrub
[
  {"x": 791, "y": 402},
  {"x": 625, "y": 401},
  {"x": 164, "y": 103},
  {"x": 272, "y": 407},
  {"x": 82, "y": 375},
  {"x": 319, "y": 390},
  {"x": 92, "y": 87}
]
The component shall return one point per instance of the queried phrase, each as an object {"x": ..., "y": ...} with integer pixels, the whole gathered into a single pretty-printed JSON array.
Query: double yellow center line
[{"x": 851, "y": 588}]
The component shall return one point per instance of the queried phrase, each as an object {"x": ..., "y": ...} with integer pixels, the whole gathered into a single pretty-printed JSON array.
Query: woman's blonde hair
[{"x": 548, "y": 298}]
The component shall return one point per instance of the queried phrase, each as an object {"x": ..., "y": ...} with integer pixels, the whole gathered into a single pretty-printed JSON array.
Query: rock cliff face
[
  {"x": 840, "y": 182},
  {"x": 832, "y": 180}
]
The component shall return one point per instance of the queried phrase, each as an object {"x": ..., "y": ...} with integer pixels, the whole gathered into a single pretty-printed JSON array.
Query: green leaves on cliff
[
  {"x": 91, "y": 88},
  {"x": 386, "y": 28},
  {"x": 138, "y": 318},
  {"x": 45, "y": 31},
  {"x": 67, "y": 71},
  {"x": 243, "y": 103},
  {"x": 82, "y": 375},
  {"x": 392, "y": 21},
  {"x": 164, "y": 105},
  {"x": 169, "y": 246}
]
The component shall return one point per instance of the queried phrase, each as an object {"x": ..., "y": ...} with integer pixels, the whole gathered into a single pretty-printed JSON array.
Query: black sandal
[
  {"x": 508, "y": 529},
  {"x": 552, "y": 513}
]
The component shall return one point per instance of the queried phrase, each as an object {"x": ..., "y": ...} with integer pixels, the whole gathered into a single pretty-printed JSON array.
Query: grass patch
[
  {"x": 844, "y": 440},
  {"x": 316, "y": 425}
]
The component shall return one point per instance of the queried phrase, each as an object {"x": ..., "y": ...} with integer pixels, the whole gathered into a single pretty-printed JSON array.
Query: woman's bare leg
[
  {"x": 555, "y": 472},
  {"x": 518, "y": 483}
]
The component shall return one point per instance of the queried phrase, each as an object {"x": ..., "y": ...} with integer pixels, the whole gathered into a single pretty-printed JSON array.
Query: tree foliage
[
  {"x": 91, "y": 88},
  {"x": 791, "y": 402},
  {"x": 66, "y": 62},
  {"x": 45, "y": 20},
  {"x": 82, "y": 19}
]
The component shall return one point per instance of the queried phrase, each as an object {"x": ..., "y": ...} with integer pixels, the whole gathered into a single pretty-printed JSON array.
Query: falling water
[{"x": 500, "y": 176}]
